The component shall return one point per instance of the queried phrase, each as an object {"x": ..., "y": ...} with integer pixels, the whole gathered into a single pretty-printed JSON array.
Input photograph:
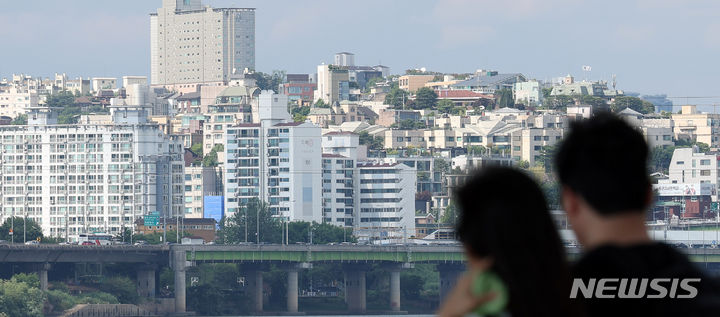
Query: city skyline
[{"x": 652, "y": 46}]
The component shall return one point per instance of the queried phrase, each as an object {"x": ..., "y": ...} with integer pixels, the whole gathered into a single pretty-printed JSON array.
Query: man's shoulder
[{"x": 641, "y": 260}]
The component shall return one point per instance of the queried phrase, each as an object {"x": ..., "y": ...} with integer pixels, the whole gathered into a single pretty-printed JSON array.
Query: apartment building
[
  {"x": 688, "y": 166},
  {"x": 16, "y": 100},
  {"x": 412, "y": 83},
  {"x": 200, "y": 182},
  {"x": 690, "y": 124},
  {"x": 192, "y": 44},
  {"x": 83, "y": 178},
  {"x": 277, "y": 161},
  {"x": 386, "y": 207},
  {"x": 336, "y": 114},
  {"x": 338, "y": 194},
  {"x": 333, "y": 84}
]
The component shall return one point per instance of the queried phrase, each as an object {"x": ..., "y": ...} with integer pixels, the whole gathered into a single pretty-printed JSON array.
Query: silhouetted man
[{"x": 606, "y": 190}]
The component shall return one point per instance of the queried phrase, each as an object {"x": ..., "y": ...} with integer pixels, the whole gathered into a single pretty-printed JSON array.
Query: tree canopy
[
  {"x": 396, "y": 97},
  {"x": 373, "y": 143},
  {"x": 633, "y": 103},
  {"x": 243, "y": 226},
  {"x": 505, "y": 98},
  {"x": 425, "y": 98},
  {"x": 33, "y": 229}
]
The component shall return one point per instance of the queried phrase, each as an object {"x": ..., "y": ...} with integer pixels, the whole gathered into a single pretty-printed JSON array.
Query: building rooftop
[
  {"x": 289, "y": 124},
  {"x": 340, "y": 133},
  {"x": 329, "y": 155},
  {"x": 485, "y": 81}
]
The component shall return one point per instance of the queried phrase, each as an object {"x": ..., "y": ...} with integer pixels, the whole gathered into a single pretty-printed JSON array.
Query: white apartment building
[
  {"x": 277, "y": 161},
  {"x": 16, "y": 100},
  {"x": 199, "y": 182},
  {"x": 377, "y": 199},
  {"x": 528, "y": 93},
  {"x": 690, "y": 166},
  {"x": 386, "y": 202},
  {"x": 104, "y": 83},
  {"x": 191, "y": 43},
  {"x": 338, "y": 195},
  {"x": 89, "y": 177}
]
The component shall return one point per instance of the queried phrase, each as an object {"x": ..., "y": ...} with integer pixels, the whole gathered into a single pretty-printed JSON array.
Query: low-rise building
[{"x": 692, "y": 125}]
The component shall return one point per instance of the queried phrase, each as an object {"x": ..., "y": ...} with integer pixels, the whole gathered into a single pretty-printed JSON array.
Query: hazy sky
[{"x": 653, "y": 46}]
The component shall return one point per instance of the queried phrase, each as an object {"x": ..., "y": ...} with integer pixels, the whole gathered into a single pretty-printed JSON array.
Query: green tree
[
  {"x": 396, "y": 97},
  {"x": 372, "y": 143},
  {"x": 702, "y": 147},
  {"x": 211, "y": 159},
  {"x": 546, "y": 92},
  {"x": 633, "y": 103},
  {"x": 18, "y": 298},
  {"x": 523, "y": 164},
  {"x": 245, "y": 223},
  {"x": 66, "y": 101},
  {"x": 205, "y": 299},
  {"x": 450, "y": 216},
  {"x": 197, "y": 149},
  {"x": 445, "y": 106},
  {"x": 560, "y": 102},
  {"x": 269, "y": 81},
  {"x": 299, "y": 113},
  {"x": 409, "y": 124},
  {"x": 547, "y": 155},
  {"x": 121, "y": 287},
  {"x": 425, "y": 98},
  {"x": 321, "y": 104},
  {"x": 660, "y": 158},
  {"x": 595, "y": 102},
  {"x": 441, "y": 165},
  {"x": 505, "y": 98},
  {"x": 551, "y": 189},
  {"x": 20, "y": 120},
  {"x": 33, "y": 229},
  {"x": 476, "y": 150}
]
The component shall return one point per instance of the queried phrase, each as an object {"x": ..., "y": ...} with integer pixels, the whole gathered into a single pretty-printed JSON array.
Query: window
[
  {"x": 704, "y": 162},
  {"x": 680, "y": 163},
  {"x": 705, "y": 173}
]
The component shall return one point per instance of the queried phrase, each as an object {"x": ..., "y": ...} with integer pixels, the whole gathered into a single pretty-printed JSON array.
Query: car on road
[
  {"x": 140, "y": 242},
  {"x": 32, "y": 242},
  {"x": 88, "y": 243}
]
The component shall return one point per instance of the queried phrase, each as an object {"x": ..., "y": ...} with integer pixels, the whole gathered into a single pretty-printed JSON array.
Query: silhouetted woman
[{"x": 516, "y": 262}]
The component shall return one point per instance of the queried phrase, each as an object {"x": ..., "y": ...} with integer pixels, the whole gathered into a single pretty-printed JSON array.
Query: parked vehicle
[
  {"x": 88, "y": 243},
  {"x": 32, "y": 242}
]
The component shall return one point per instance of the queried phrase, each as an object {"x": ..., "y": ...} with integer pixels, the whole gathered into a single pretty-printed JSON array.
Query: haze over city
[{"x": 652, "y": 46}]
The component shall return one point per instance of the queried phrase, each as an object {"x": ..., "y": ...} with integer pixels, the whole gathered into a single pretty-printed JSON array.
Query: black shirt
[{"x": 652, "y": 260}]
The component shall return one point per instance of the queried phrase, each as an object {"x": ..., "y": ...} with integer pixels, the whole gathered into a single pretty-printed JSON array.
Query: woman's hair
[{"x": 503, "y": 215}]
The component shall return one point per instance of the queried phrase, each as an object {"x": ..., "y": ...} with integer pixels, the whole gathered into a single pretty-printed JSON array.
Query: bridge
[{"x": 254, "y": 259}]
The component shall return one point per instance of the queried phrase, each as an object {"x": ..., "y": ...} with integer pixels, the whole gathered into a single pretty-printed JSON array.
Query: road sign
[{"x": 152, "y": 219}]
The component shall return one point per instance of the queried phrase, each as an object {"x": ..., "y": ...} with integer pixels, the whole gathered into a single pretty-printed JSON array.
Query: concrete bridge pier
[
  {"x": 449, "y": 274},
  {"x": 146, "y": 281},
  {"x": 178, "y": 263},
  {"x": 255, "y": 289},
  {"x": 254, "y": 284},
  {"x": 355, "y": 291},
  {"x": 292, "y": 285},
  {"x": 395, "y": 270},
  {"x": 42, "y": 272}
]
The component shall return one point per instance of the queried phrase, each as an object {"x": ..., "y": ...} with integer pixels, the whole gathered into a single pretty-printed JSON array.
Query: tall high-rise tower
[{"x": 193, "y": 44}]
